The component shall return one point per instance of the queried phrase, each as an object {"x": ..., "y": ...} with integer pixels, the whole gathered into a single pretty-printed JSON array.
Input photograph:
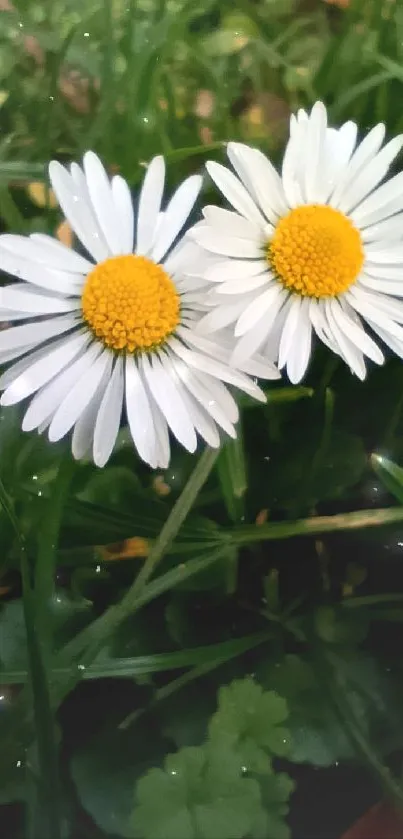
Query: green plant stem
[
  {"x": 93, "y": 637},
  {"x": 50, "y": 825},
  {"x": 316, "y": 524}
]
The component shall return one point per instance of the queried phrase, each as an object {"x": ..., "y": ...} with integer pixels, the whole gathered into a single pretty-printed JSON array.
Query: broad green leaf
[
  {"x": 390, "y": 474},
  {"x": 106, "y": 770},
  {"x": 318, "y": 736},
  {"x": 252, "y": 719}
]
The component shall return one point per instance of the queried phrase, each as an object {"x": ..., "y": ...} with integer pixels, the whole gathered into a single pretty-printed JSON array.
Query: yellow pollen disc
[
  {"x": 130, "y": 303},
  {"x": 316, "y": 251}
]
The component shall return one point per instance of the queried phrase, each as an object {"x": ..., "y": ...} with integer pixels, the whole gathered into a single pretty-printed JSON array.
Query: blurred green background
[
  {"x": 130, "y": 78},
  {"x": 317, "y": 618}
]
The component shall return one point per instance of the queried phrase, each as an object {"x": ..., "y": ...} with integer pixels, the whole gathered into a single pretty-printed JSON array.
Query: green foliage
[
  {"x": 250, "y": 719},
  {"x": 225, "y": 788},
  {"x": 317, "y": 733},
  {"x": 200, "y": 793}
]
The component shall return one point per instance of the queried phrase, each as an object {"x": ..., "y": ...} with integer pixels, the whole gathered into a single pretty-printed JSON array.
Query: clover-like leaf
[
  {"x": 200, "y": 794},
  {"x": 251, "y": 718}
]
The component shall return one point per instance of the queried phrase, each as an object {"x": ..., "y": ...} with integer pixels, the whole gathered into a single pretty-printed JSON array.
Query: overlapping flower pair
[{"x": 160, "y": 325}]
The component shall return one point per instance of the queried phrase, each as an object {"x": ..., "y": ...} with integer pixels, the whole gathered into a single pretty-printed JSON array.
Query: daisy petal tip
[
  {"x": 259, "y": 395},
  {"x": 90, "y": 156},
  {"x": 55, "y": 168},
  {"x": 232, "y": 432},
  {"x": 8, "y": 399}
]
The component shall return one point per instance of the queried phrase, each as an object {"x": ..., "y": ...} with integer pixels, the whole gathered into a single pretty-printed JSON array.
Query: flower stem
[{"x": 93, "y": 637}]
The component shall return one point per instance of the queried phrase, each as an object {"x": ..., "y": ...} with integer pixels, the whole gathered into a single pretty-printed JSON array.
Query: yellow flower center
[
  {"x": 130, "y": 303},
  {"x": 316, "y": 251}
]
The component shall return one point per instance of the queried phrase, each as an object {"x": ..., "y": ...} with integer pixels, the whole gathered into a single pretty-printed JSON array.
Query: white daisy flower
[
  {"x": 316, "y": 249},
  {"x": 117, "y": 329}
]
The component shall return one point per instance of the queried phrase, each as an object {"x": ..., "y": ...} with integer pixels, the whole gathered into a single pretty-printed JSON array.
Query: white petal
[
  {"x": 48, "y": 399},
  {"x": 34, "y": 333},
  {"x": 395, "y": 344},
  {"x": 150, "y": 205},
  {"x": 103, "y": 205},
  {"x": 368, "y": 179},
  {"x": 383, "y": 304},
  {"x": 294, "y": 158},
  {"x": 356, "y": 334},
  {"x": 300, "y": 350},
  {"x": 392, "y": 307},
  {"x": 201, "y": 420},
  {"x": 243, "y": 286},
  {"x": 139, "y": 413},
  {"x": 162, "y": 443},
  {"x": 260, "y": 178},
  {"x": 367, "y": 305},
  {"x": 261, "y": 367},
  {"x": 212, "y": 395},
  {"x": 383, "y": 286},
  {"x": 18, "y": 296},
  {"x": 193, "y": 340},
  {"x": 389, "y": 228},
  {"x": 383, "y": 272},
  {"x": 213, "y": 241},
  {"x": 391, "y": 253},
  {"x": 124, "y": 208},
  {"x": 79, "y": 214},
  {"x": 290, "y": 330},
  {"x": 79, "y": 397},
  {"x": 235, "y": 193},
  {"x": 391, "y": 191},
  {"x": 41, "y": 371},
  {"x": 319, "y": 322},
  {"x": 30, "y": 356},
  {"x": 50, "y": 253},
  {"x": 10, "y": 355},
  {"x": 109, "y": 414},
  {"x": 216, "y": 369},
  {"x": 229, "y": 223},
  {"x": 83, "y": 433},
  {"x": 220, "y": 316},
  {"x": 8, "y": 315},
  {"x": 250, "y": 343},
  {"x": 315, "y": 140},
  {"x": 170, "y": 402},
  {"x": 37, "y": 274},
  {"x": 185, "y": 257},
  {"x": 222, "y": 352},
  {"x": 60, "y": 256},
  {"x": 349, "y": 351},
  {"x": 362, "y": 157},
  {"x": 175, "y": 215},
  {"x": 258, "y": 308},
  {"x": 338, "y": 148},
  {"x": 234, "y": 269},
  {"x": 271, "y": 324}
]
